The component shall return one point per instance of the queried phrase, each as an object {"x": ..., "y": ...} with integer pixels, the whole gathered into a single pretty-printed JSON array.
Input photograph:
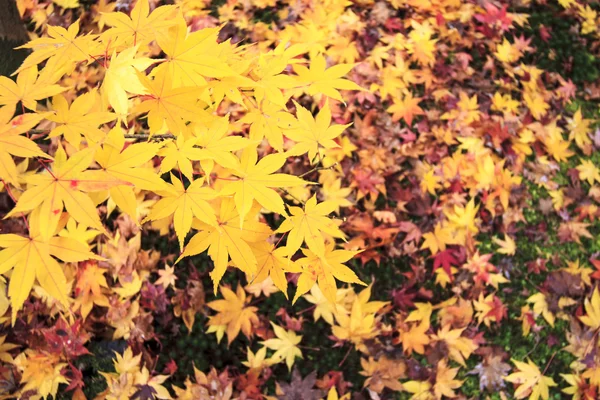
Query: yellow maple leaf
[
  {"x": 233, "y": 312},
  {"x": 323, "y": 80},
  {"x": 140, "y": 27},
  {"x": 323, "y": 307},
  {"x": 507, "y": 246},
  {"x": 285, "y": 345},
  {"x": 309, "y": 225},
  {"x": 168, "y": 105},
  {"x": 536, "y": 104},
  {"x": 313, "y": 135},
  {"x": 65, "y": 185},
  {"x": 27, "y": 90},
  {"x": 271, "y": 121},
  {"x": 185, "y": 203},
  {"x": 323, "y": 269},
  {"x": 123, "y": 168},
  {"x": 438, "y": 239},
  {"x": 122, "y": 76},
  {"x": 445, "y": 382},
  {"x": 588, "y": 171},
  {"x": 12, "y": 143},
  {"x": 62, "y": 46},
  {"x": 256, "y": 178},
  {"x": 31, "y": 258},
  {"x": 592, "y": 309},
  {"x": 356, "y": 327},
  {"x": 415, "y": 338},
  {"x": 272, "y": 263},
  {"x": 41, "y": 372},
  {"x": 78, "y": 119},
  {"x": 215, "y": 145},
  {"x": 226, "y": 240},
  {"x": 192, "y": 56},
  {"x": 531, "y": 382}
]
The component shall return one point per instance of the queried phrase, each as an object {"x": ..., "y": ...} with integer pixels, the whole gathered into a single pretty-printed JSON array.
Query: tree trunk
[{"x": 12, "y": 34}]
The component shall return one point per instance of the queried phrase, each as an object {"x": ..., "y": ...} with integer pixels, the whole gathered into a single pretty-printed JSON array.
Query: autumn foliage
[{"x": 392, "y": 199}]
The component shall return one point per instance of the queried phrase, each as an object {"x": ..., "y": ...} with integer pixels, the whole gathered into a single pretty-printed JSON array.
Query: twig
[
  {"x": 292, "y": 196},
  {"x": 139, "y": 136},
  {"x": 145, "y": 136},
  {"x": 549, "y": 362},
  {"x": 315, "y": 169},
  {"x": 345, "y": 357}
]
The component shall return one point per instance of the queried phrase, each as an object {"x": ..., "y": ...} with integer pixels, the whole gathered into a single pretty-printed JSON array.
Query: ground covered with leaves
[{"x": 302, "y": 200}]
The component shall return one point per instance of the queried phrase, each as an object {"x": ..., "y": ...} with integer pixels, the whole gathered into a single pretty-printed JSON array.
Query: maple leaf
[
  {"x": 234, "y": 312},
  {"x": 333, "y": 191},
  {"x": 31, "y": 258},
  {"x": 88, "y": 288},
  {"x": 445, "y": 382},
  {"x": 28, "y": 89},
  {"x": 285, "y": 345},
  {"x": 572, "y": 231},
  {"x": 592, "y": 309},
  {"x": 78, "y": 119},
  {"x": 122, "y": 168},
  {"x": 323, "y": 269},
  {"x": 314, "y": 134},
  {"x": 416, "y": 338},
  {"x": 323, "y": 307},
  {"x": 215, "y": 145},
  {"x": 579, "y": 129},
  {"x": 167, "y": 277},
  {"x": 166, "y": 104},
  {"x": 356, "y": 327},
  {"x": 588, "y": 171},
  {"x": 185, "y": 203},
  {"x": 192, "y": 56},
  {"x": 460, "y": 348},
  {"x": 12, "y": 143},
  {"x": 273, "y": 263},
  {"x": 531, "y": 381},
  {"x": 62, "y": 46},
  {"x": 256, "y": 180},
  {"x": 179, "y": 153},
  {"x": 41, "y": 373},
  {"x": 445, "y": 259},
  {"x": 421, "y": 390},
  {"x": 507, "y": 246},
  {"x": 141, "y": 27},
  {"x": 300, "y": 388},
  {"x": 64, "y": 185},
  {"x": 438, "y": 239},
  {"x": 463, "y": 219},
  {"x": 270, "y": 83},
  {"x": 226, "y": 240},
  {"x": 122, "y": 76},
  {"x": 308, "y": 225},
  {"x": 420, "y": 44},
  {"x": 492, "y": 372},
  {"x": 536, "y": 104},
  {"x": 406, "y": 108},
  {"x": 257, "y": 361},
  {"x": 323, "y": 80},
  {"x": 266, "y": 288},
  {"x": 270, "y": 121}
]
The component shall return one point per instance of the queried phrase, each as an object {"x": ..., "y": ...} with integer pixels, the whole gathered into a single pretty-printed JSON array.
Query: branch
[
  {"x": 139, "y": 136},
  {"x": 145, "y": 136}
]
